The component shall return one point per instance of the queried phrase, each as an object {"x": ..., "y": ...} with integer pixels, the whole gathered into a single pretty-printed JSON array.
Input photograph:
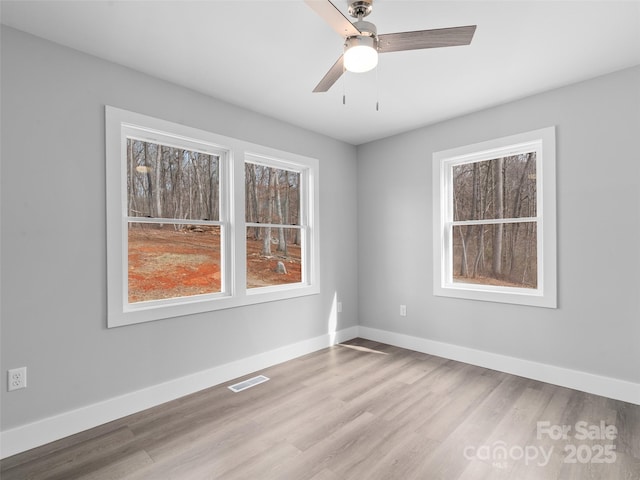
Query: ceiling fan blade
[
  {"x": 331, "y": 76},
  {"x": 333, "y": 17},
  {"x": 439, "y": 37}
]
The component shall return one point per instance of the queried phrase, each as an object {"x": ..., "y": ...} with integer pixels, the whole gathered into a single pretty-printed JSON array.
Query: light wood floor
[{"x": 360, "y": 410}]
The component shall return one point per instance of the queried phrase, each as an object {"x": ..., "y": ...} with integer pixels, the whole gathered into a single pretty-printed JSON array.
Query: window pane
[
  {"x": 272, "y": 195},
  {"x": 475, "y": 248},
  {"x": 497, "y": 188},
  {"x": 169, "y": 182},
  {"x": 169, "y": 261},
  {"x": 273, "y": 256}
]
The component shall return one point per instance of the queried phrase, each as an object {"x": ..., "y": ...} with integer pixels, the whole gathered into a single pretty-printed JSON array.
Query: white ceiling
[{"x": 268, "y": 55}]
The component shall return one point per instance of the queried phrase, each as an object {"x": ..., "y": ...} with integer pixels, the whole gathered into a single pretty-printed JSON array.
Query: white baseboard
[
  {"x": 38, "y": 433},
  {"x": 577, "y": 380}
]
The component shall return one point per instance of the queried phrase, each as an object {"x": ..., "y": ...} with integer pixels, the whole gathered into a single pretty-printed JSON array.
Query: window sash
[
  {"x": 493, "y": 221},
  {"x": 305, "y": 216},
  {"x": 142, "y": 304},
  {"x": 173, "y": 221},
  {"x": 273, "y": 225},
  {"x": 448, "y": 223}
]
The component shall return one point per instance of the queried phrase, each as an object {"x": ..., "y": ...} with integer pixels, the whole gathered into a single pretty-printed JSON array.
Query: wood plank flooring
[{"x": 360, "y": 410}]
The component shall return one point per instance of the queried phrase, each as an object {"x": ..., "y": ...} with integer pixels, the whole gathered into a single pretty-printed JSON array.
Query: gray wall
[
  {"x": 596, "y": 328},
  {"x": 53, "y": 235},
  {"x": 53, "y": 278}
]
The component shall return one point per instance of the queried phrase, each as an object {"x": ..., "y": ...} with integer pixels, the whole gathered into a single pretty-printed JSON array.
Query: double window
[
  {"x": 494, "y": 220},
  {"x": 200, "y": 222}
]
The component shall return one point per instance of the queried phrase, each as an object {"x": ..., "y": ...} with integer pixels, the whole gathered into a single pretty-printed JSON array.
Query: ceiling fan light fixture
[{"x": 360, "y": 53}]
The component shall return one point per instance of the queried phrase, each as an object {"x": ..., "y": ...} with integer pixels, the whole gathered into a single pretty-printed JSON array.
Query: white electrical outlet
[
  {"x": 17, "y": 378},
  {"x": 403, "y": 310},
  {"x": 339, "y": 307}
]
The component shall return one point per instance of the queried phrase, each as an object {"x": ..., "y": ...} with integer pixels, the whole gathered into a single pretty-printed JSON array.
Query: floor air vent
[{"x": 252, "y": 382}]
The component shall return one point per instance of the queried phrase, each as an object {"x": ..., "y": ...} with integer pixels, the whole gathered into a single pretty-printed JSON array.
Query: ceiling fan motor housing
[
  {"x": 361, "y": 40},
  {"x": 366, "y": 28},
  {"x": 369, "y": 37}
]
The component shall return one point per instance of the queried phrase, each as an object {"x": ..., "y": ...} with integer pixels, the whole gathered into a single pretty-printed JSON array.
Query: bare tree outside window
[
  {"x": 494, "y": 221},
  {"x": 172, "y": 205},
  {"x": 272, "y": 214}
]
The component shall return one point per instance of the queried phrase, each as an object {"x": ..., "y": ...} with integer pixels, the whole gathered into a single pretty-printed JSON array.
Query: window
[
  {"x": 494, "y": 220},
  {"x": 174, "y": 224},
  {"x": 275, "y": 232},
  {"x": 199, "y": 222}
]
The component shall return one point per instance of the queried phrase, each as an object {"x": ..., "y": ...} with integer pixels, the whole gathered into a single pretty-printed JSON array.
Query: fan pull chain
[
  {"x": 377, "y": 91},
  {"x": 344, "y": 95}
]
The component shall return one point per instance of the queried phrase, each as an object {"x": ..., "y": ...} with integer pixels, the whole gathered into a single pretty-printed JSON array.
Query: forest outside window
[
  {"x": 199, "y": 222},
  {"x": 174, "y": 225},
  {"x": 275, "y": 228},
  {"x": 494, "y": 220}
]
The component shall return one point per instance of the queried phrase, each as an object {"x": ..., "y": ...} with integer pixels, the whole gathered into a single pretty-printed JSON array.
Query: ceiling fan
[{"x": 362, "y": 42}]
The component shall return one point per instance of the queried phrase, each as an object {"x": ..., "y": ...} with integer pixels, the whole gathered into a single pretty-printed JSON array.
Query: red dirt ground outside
[{"x": 169, "y": 263}]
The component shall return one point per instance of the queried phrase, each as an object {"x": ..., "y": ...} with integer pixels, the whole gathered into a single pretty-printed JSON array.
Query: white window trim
[
  {"x": 232, "y": 220},
  {"x": 545, "y": 295}
]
